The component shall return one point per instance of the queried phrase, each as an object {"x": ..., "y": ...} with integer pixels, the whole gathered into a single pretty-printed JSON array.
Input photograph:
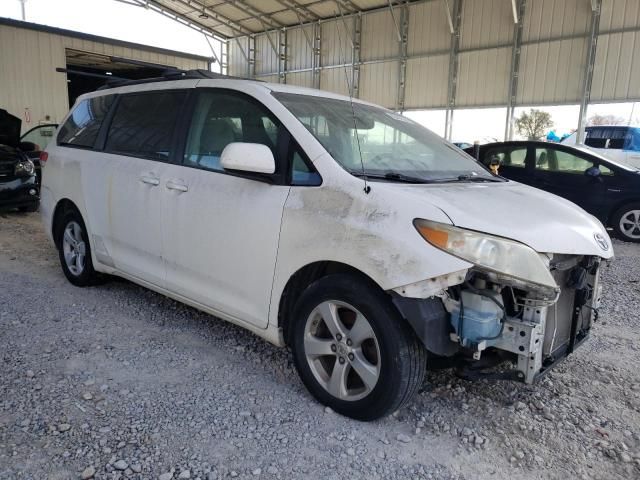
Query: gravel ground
[{"x": 119, "y": 382}]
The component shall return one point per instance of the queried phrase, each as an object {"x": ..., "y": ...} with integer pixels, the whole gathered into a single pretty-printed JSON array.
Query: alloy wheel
[
  {"x": 74, "y": 248},
  {"x": 630, "y": 224},
  {"x": 342, "y": 350}
]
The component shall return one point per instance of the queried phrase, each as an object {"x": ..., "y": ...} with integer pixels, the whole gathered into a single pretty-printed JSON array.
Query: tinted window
[
  {"x": 82, "y": 127},
  {"x": 507, "y": 157},
  {"x": 559, "y": 161},
  {"x": 143, "y": 125},
  {"x": 607, "y": 137},
  {"x": 221, "y": 118},
  {"x": 302, "y": 173}
]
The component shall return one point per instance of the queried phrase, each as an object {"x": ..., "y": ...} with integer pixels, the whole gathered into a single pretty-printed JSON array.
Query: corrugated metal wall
[
  {"x": 28, "y": 79},
  {"x": 555, "y": 41}
]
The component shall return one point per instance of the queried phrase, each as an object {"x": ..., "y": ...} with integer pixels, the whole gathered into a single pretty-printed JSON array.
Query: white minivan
[{"x": 363, "y": 241}]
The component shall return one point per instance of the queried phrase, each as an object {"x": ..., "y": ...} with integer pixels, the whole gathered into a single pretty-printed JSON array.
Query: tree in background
[
  {"x": 533, "y": 124},
  {"x": 606, "y": 120}
]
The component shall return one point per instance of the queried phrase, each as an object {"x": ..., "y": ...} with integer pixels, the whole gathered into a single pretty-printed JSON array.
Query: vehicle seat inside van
[{"x": 216, "y": 134}]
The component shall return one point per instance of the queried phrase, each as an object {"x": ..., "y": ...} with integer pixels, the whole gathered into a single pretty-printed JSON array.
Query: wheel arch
[
  {"x": 304, "y": 277},
  {"x": 617, "y": 207},
  {"x": 63, "y": 206}
]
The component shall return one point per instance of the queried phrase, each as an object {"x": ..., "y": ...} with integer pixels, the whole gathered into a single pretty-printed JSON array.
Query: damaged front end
[{"x": 484, "y": 316}]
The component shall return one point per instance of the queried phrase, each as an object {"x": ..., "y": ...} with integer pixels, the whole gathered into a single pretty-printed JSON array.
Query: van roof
[{"x": 206, "y": 78}]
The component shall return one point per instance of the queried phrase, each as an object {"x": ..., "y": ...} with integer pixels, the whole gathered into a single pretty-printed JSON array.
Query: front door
[
  {"x": 139, "y": 147},
  {"x": 221, "y": 230},
  {"x": 563, "y": 173}
]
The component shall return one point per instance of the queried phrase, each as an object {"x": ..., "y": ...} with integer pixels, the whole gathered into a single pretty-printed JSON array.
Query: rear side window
[
  {"x": 507, "y": 156},
  {"x": 83, "y": 125},
  {"x": 143, "y": 124},
  {"x": 607, "y": 137}
]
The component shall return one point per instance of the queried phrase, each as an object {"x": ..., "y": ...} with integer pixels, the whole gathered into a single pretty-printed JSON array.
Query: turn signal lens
[{"x": 437, "y": 238}]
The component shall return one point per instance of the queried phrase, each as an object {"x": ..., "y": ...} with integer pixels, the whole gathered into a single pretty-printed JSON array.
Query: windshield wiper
[
  {"x": 392, "y": 176},
  {"x": 469, "y": 178}
]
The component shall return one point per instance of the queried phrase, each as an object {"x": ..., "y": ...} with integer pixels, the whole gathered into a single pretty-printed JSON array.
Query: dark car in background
[
  {"x": 607, "y": 189},
  {"x": 19, "y": 182}
]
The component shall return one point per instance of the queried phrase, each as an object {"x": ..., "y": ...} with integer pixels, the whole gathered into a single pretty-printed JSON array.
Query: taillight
[{"x": 44, "y": 156}]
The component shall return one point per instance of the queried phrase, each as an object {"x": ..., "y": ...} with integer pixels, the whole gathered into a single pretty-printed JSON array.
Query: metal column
[
  {"x": 355, "y": 55},
  {"x": 251, "y": 53},
  {"x": 317, "y": 50},
  {"x": 403, "y": 31},
  {"x": 453, "y": 67},
  {"x": 596, "y": 8},
  {"x": 282, "y": 55},
  {"x": 515, "y": 66}
]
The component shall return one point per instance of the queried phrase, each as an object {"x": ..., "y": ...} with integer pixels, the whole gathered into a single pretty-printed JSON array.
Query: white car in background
[
  {"x": 620, "y": 143},
  {"x": 348, "y": 232}
]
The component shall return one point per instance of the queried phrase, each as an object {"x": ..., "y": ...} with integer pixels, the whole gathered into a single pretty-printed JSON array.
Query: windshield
[{"x": 392, "y": 146}]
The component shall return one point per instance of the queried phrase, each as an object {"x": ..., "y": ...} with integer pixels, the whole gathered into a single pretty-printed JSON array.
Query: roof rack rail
[{"x": 173, "y": 74}]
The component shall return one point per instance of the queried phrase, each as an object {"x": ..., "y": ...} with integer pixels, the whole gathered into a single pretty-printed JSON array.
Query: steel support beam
[
  {"x": 282, "y": 56},
  {"x": 317, "y": 50},
  {"x": 403, "y": 30},
  {"x": 453, "y": 69},
  {"x": 201, "y": 7},
  {"x": 518, "y": 16},
  {"x": 251, "y": 52},
  {"x": 596, "y": 8},
  {"x": 356, "y": 42}
]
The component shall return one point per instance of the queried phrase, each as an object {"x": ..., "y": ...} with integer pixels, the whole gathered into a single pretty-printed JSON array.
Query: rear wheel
[
  {"x": 74, "y": 250},
  {"x": 626, "y": 222},
  {"x": 352, "y": 350}
]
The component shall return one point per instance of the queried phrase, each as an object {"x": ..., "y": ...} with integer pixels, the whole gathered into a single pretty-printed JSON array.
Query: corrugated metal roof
[{"x": 555, "y": 36}]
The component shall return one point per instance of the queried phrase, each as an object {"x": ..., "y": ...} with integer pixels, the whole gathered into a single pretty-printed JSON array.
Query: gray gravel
[{"x": 118, "y": 382}]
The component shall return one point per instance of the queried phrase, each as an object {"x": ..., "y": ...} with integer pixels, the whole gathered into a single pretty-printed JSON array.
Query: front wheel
[
  {"x": 626, "y": 222},
  {"x": 352, "y": 350}
]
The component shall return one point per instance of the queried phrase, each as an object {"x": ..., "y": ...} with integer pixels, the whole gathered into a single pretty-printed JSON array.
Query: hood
[
  {"x": 543, "y": 221},
  {"x": 9, "y": 129}
]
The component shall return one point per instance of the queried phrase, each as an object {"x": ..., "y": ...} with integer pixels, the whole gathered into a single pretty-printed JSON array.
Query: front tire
[
  {"x": 352, "y": 349},
  {"x": 626, "y": 222},
  {"x": 74, "y": 250}
]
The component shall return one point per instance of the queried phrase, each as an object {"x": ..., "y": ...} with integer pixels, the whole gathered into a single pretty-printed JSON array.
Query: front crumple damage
[{"x": 477, "y": 314}]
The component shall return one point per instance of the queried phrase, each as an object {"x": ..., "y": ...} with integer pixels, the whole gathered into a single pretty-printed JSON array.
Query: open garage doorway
[{"x": 88, "y": 71}]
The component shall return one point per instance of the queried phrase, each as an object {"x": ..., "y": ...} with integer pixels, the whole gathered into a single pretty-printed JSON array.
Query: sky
[
  {"x": 110, "y": 18},
  {"x": 114, "y": 19}
]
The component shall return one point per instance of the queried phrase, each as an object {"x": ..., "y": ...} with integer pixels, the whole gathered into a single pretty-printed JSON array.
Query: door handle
[
  {"x": 180, "y": 187},
  {"x": 150, "y": 180}
]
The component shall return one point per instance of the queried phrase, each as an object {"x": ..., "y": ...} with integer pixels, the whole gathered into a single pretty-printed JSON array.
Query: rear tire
[
  {"x": 626, "y": 222},
  {"x": 74, "y": 250},
  {"x": 352, "y": 349}
]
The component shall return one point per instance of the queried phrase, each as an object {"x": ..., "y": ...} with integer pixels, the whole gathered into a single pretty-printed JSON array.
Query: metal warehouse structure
[
  {"x": 31, "y": 89},
  {"x": 427, "y": 54}
]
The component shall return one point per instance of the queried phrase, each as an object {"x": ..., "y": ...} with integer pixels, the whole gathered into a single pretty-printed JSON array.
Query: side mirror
[
  {"x": 592, "y": 172},
  {"x": 248, "y": 157}
]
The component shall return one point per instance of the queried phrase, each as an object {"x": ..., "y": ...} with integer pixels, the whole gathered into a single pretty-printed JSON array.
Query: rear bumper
[{"x": 19, "y": 192}]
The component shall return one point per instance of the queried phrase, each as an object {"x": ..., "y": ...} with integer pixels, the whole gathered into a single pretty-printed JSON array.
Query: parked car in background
[
  {"x": 463, "y": 145},
  {"x": 605, "y": 188},
  {"x": 342, "y": 229},
  {"x": 620, "y": 143},
  {"x": 19, "y": 186}
]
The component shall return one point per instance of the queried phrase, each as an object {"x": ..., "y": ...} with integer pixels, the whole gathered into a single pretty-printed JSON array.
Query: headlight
[
  {"x": 502, "y": 256},
  {"x": 24, "y": 168}
]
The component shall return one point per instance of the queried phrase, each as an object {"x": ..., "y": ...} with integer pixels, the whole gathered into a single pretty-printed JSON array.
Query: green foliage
[{"x": 533, "y": 124}]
